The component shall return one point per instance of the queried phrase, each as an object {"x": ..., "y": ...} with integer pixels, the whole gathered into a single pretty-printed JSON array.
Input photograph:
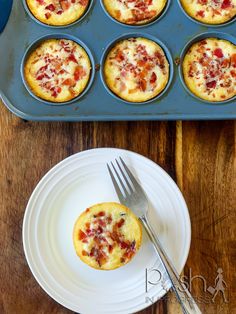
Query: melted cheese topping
[
  {"x": 58, "y": 70},
  {"x": 57, "y": 12},
  {"x": 209, "y": 69},
  {"x": 136, "y": 69},
  {"x": 134, "y": 11},
  {"x": 107, "y": 236},
  {"x": 210, "y": 11}
]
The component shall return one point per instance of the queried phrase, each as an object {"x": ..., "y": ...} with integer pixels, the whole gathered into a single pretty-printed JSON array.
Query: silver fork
[{"x": 131, "y": 194}]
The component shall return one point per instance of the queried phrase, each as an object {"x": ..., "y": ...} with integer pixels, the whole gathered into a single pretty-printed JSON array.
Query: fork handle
[{"x": 184, "y": 297}]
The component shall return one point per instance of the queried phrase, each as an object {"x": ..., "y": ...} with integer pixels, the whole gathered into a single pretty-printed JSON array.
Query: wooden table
[{"x": 199, "y": 156}]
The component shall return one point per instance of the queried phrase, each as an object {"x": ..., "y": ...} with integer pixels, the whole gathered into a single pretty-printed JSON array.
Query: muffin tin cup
[
  {"x": 134, "y": 35},
  {"x": 158, "y": 18},
  {"x": 89, "y": 8},
  {"x": 205, "y": 24},
  {"x": 196, "y": 39},
  {"x": 35, "y": 44}
]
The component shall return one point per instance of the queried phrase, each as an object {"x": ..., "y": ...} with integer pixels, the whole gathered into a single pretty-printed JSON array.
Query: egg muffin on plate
[
  {"x": 57, "y": 12},
  {"x": 136, "y": 12},
  {"x": 209, "y": 69},
  {"x": 58, "y": 70},
  {"x": 210, "y": 11},
  {"x": 136, "y": 69},
  {"x": 107, "y": 236}
]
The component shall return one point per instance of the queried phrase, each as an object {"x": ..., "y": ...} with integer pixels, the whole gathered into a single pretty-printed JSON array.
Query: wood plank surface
[{"x": 200, "y": 156}]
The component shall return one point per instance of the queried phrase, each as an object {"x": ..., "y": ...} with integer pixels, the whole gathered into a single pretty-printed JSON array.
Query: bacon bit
[
  {"x": 41, "y": 2},
  {"x": 233, "y": 60},
  {"x": 153, "y": 78},
  {"x": 143, "y": 84},
  {"x": 65, "y": 5},
  {"x": 117, "y": 14},
  {"x": 217, "y": 12},
  {"x": 101, "y": 214},
  {"x": 225, "y": 63},
  {"x": 200, "y": 13},
  {"x": 72, "y": 58},
  {"x": 202, "y": 42},
  {"x": 82, "y": 235},
  {"x": 92, "y": 252},
  {"x": 110, "y": 248},
  {"x": 84, "y": 253},
  {"x": 56, "y": 91},
  {"x": 87, "y": 224},
  {"x": 223, "y": 96},
  {"x": 99, "y": 230},
  {"x": 87, "y": 210},
  {"x": 141, "y": 63},
  {"x": 124, "y": 245},
  {"x": 101, "y": 222},
  {"x": 50, "y": 7},
  {"x": 218, "y": 53},
  {"x": 120, "y": 223},
  {"x": 109, "y": 220},
  {"x": 211, "y": 84},
  {"x": 226, "y": 4},
  {"x": 69, "y": 82},
  {"x": 79, "y": 73},
  {"x": 48, "y": 15},
  {"x": 233, "y": 73},
  {"x": 82, "y": 2},
  {"x": 115, "y": 237},
  {"x": 119, "y": 56}
]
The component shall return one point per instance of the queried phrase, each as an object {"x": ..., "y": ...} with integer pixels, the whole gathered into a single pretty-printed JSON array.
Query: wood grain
[{"x": 199, "y": 155}]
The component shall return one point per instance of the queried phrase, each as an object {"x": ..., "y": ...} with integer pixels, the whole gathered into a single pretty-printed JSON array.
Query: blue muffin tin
[{"x": 97, "y": 30}]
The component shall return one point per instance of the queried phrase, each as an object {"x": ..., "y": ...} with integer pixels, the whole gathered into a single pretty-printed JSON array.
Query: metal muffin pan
[
  {"x": 97, "y": 31},
  {"x": 196, "y": 39},
  {"x": 36, "y": 44},
  {"x": 133, "y": 35}
]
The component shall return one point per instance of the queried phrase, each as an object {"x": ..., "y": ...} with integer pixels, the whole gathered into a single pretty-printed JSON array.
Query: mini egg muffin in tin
[
  {"x": 107, "y": 236},
  {"x": 210, "y": 11},
  {"x": 135, "y": 12},
  {"x": 57, "y": 12},
  {"x": 58, "y": 70},
  {"x": 136, "y": 69},
  {"x": 209, "y": 69}
]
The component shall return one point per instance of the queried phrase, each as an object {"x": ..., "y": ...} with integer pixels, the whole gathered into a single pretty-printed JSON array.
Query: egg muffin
[
  {"x": 58, "y": 70},
  {"x": 136, "y": 69},
  {"x": 134, "y": 12},
  {"x": 210, "y": 11},
  {"x": 209, "y": 69},
  {"x": 107, "y": 236},
  {"x": 57, "y": 12}
]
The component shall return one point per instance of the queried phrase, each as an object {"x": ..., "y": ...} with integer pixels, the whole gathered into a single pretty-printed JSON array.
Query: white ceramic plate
[{"x": 68, "y": 189}]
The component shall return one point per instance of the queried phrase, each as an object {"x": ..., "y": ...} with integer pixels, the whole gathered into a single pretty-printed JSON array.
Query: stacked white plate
[{"x": 68, "y": 189}]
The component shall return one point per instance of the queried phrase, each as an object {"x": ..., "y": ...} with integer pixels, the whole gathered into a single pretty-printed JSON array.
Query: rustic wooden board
[{"x": 200, "y": 156}]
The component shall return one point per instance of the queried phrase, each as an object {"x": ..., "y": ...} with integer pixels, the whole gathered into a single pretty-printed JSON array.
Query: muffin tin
[{"x": 97, "y": 31}]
